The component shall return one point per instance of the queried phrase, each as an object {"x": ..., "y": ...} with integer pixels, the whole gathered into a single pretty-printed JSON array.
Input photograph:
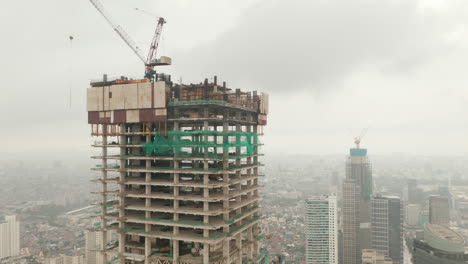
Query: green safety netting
[
  {"x": 163, "y": 169},
  {"x": 108, "y": 204},
  {"x": 214, "y": 237},
  {"x": 259, "y": 257},
  {"x": 196, "y": 102},
  {"x": 113, "y": 260},
  {"x": 232, "y": 220},
  {"x": 185, "y": 222},
  {"x": 201, "y": 143},
  {"x": 113, "y": 166}
]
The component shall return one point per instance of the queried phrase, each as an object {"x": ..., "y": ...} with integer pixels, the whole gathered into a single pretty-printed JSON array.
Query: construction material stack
[{"x": 179, "y": 170}]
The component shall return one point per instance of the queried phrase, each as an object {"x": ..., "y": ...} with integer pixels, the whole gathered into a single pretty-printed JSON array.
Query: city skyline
[{"x": 234, "y": 132}]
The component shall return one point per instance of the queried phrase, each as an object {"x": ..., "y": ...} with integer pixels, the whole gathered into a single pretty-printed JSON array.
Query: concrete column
[
  {"x": 147, "y": 249},
  {"x": 148, "y": 203},
  {"x": 239, "y": 246},
  {"x": 255, "y": 232},
  {"x": 227, "y": 250},
  {"x": 175, "y": 243},
  {"x": 175, "y": 251},
  {"x": 103, "y": 244},
  {"x": 225, "y": 175},
  {"x": 206, "y": 253},
  {"x": 250, "y": 241},
  {"x": 123, "y": 165}
]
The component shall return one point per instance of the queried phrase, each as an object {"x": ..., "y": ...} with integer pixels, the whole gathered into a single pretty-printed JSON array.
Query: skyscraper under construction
[
  {"x": 179, "y": 170},
  {"x": 357, "y": 192}
]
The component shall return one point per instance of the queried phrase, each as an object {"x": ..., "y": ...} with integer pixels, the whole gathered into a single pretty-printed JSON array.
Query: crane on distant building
[
  {"x": 357, "y": 140},
  {"x": 150, "y": 62}
]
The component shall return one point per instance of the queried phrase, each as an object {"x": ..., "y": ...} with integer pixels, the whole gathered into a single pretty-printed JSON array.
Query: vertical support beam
[
  {"x": 206, "y": 253},
  {"x": 250, "y": 241},
  {"x": 226, "y": 243},
  {"x": 123, "y": 165},
  {"x": 175, "y": 164},
  {"x": 148, "y": 201},
  {"x": 175, "y": 251},
  {"x": 238, "y": 161},
  {"x": 104, "y": 195},
  {"x": 239, "y": 246}
]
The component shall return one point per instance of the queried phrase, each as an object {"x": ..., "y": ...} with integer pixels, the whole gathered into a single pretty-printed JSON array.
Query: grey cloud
[{"x": 283, "y": 45}]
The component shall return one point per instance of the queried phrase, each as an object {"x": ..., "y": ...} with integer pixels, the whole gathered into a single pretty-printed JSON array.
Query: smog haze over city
[{"x": 248, "y": 123}]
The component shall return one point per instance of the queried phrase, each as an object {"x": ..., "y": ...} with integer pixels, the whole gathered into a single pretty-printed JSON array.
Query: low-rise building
[{"x": 440, "y": 245}]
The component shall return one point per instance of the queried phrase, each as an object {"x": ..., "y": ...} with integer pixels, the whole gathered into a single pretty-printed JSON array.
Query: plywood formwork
[{"x": 179, "y": 180}]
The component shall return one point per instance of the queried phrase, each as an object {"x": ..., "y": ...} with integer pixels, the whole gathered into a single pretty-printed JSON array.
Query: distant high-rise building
[
  {"x": 357, "y": 192},
  {"x": 387, "y": 226},
  {"x": 440, "y": 245},
  {"x": 10, "y": 237},
  {"x": 322, "y": 230},
  {"x": 413, "y": 212},
  {"x": 439, "y": 211},
  {"x": 350, "y": 210},
  {"x": 413, "y": 194}
]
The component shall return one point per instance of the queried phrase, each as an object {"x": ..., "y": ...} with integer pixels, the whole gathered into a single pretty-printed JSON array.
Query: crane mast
[
  {"x": 150, "y": 59},
  {"x": 150, "y": 62}
]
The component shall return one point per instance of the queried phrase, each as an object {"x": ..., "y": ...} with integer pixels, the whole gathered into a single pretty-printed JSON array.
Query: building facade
[
  {"x": 439, "y": 210},
  {"x": 10, "y": 237},
  {"x": 387, "y": 226},
  {"x": 413, "y": 215},
  {"x": 350, "y": 213},
  {"x": 179, "y": 169},
  {"x": 321, "y": 230},
  {"x": 371, "y": 256}
]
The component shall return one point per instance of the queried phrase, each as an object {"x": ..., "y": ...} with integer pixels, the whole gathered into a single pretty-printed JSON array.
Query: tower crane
[
  {"x": 150, "y": 62},
  {"x": 357, "y": 140}
]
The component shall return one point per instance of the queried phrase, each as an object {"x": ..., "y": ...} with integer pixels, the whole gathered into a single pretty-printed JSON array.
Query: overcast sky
[{"x": 332, "y": 68}]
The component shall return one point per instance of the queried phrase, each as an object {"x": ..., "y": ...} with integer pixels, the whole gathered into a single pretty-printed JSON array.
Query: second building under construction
[{"x": 179, "y": 170}]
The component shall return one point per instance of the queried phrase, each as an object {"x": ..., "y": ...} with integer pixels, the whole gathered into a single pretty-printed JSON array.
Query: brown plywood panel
[
  {"x": 92, "y": 99},
  {"x": 160, "y": 94},
  {"x": 133, "y": 116},
  {"x": 120, "y": 116},
  {"x": 144, "y": 95},
  {"x": 147, "y": 115},
  {"x": 93, "y": 117}
]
